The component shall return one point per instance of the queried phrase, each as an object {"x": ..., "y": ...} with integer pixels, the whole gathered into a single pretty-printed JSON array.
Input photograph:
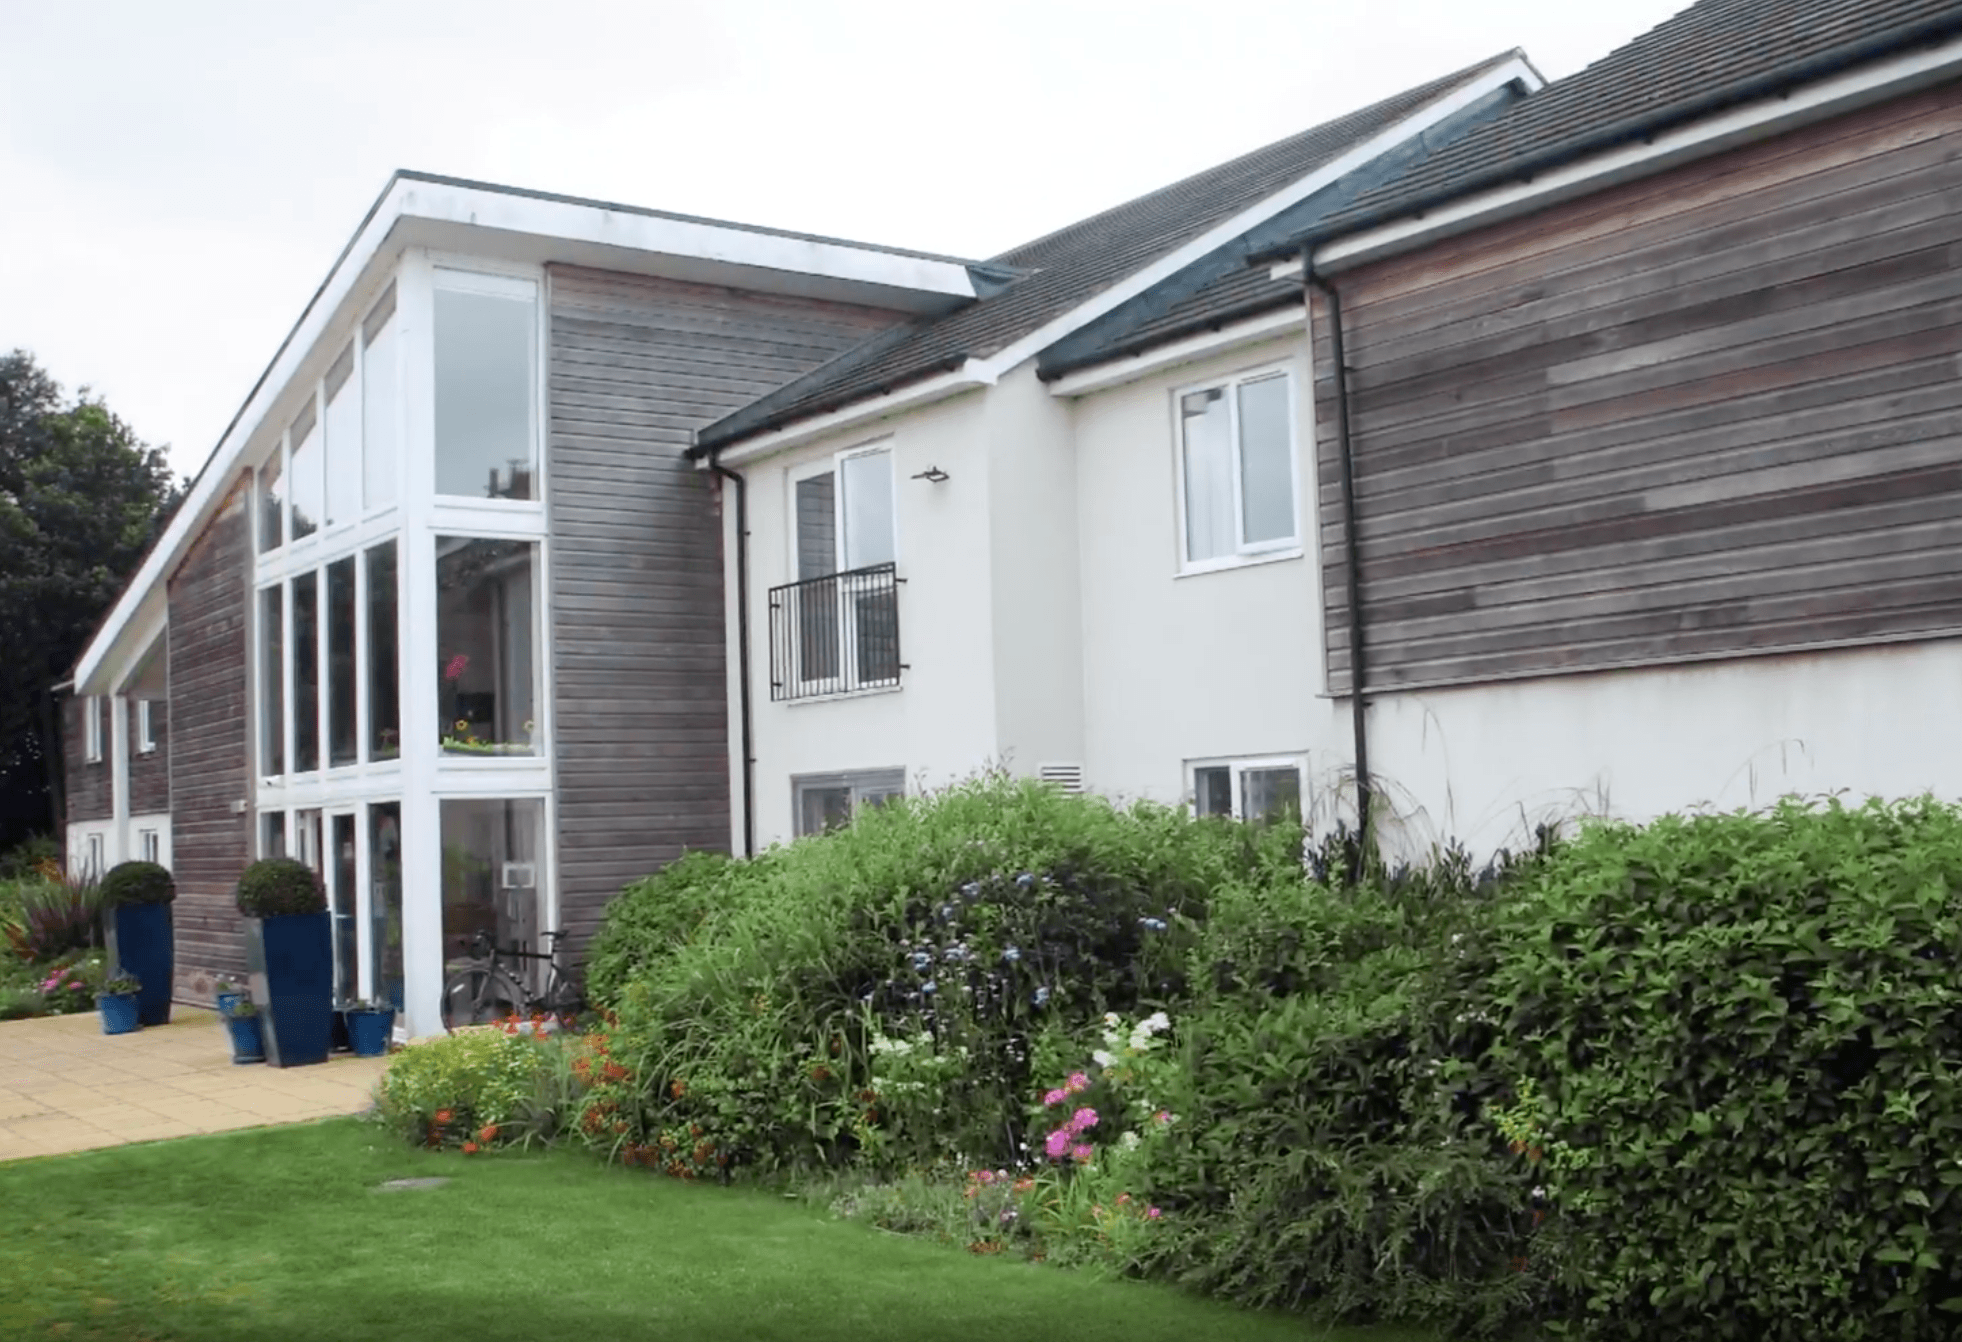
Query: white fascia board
[
  {"x": 409, "y": 200},
  {"x": 1515, "y": 69},
  {"x": 729, "y": 244},
  {"x": 1753, "y": 121},
  {"x": 967, "y": 377},
  {"x": 1115, "y": 374}
]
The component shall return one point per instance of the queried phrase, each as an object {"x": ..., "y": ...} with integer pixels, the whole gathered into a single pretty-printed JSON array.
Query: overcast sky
[{"x": 175, "y": 179}]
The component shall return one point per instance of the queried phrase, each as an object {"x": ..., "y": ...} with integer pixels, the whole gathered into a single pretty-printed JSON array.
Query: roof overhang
[
  {"x": 421, "y": 210},
  {"x": 1642, "y": 156}
]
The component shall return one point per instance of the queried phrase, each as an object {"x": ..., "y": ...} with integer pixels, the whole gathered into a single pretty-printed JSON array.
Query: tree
[{"x": 81, "y": 501}]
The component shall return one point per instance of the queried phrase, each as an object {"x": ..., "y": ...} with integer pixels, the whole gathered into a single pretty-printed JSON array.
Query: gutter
[
  {"x": 742, "y": 649},
  {"x": 1645, "y": 126},
  {"x": 1351, "y": 547}
]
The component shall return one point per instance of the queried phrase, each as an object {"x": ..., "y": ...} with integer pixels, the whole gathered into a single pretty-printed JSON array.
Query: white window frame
[
  {"x": 863, "y": 783},
  {"x": 847, "y": 680},
  {"x": 92, "y": 728},
  {"x": 477, "y": 275},
  {"x": 93, "y": 848},
  {"x": 146, "y": 739},
  {"x": 149, "y": 845},
  {"x": 1239, "y": 767},
  {"x": 1259, "y": 552}
]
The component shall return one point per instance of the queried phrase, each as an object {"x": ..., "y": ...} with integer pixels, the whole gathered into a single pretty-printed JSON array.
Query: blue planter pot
[
  {"x": 227, "y": 1001},
  {"x": 368, "y": 1031},
  {"x": 120, "y": 1014},
  {"x": 247, "y": 1046},
  {"x": 292, "y": 963},
  {"x": 139, "y": 937}
]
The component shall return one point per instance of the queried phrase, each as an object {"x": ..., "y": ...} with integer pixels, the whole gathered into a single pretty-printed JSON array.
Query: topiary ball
[
  {"x": 137, "y": 883},
  {"x": 278, "y": 886}
]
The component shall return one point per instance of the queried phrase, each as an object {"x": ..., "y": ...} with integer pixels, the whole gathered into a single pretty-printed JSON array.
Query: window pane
[
  {"x": 272, "y": 834},
  {"x": 306, "y": 837},
  {"x": 379, "y": 404},
  {"x": 484, "y": 646},
  {"x": 1266, "y": 479},
  {"x": 490, "y": 873},
  {"x": 1212, "y": 791},
  {"x": 484, "y": 379},
  {"x": 385, "y": 901},
  {"x": 343, "y": 740},
  {"x": 867, "y": 480},
  {"x": 343, "y": 429},
  {"x": 306, "y": 673},
  {"x": 1270, "y": 793},
  {"x": 340, "y": 901},
  {"x": 1205, "y": 431},
  {"x": 384, "y": 673},
  {"x": 823, "y": 808},
  {"x": 272, "y": 501},
  {"x": 309, "y": 491},
  {"x": 817, "y": 527},
  {"x": 272, "y": 682}
]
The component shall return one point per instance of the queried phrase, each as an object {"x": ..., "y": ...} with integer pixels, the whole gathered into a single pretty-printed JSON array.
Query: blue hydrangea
[
  {"x": 921, "y": 960},
  {"x": 1012, "y": 954},
  {"x": 1153, "y": 924},
  {"x": 1041, "y": 997}
]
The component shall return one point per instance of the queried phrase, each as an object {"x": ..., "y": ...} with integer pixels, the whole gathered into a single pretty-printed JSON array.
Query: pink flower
[
  {"x": 1081, "y": 1154},
  {"x": 458, "y": 665},
  {"x": 1058, "y": 1143},
  {"x": 1056, "y": 1096},
  {"x": 1078, "y": 1081},
  {"x": 1162, "y": 1117},
  {"x": 1152, "y": 1213},
  {"x": 1085, "y": 1117}
]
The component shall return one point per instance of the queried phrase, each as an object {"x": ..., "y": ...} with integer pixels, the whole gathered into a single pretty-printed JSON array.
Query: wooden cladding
[
  {"x": 1708, "y": 414},
  {"x": 209, "y": 753},
  {"x": 637, "y": 606}
]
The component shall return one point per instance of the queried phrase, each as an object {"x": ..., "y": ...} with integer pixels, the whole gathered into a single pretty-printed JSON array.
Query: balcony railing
[{"x": 835, "y": 634}]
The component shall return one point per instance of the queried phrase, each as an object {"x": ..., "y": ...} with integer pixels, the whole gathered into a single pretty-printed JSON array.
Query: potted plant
[
  {"x": 242, "y": 1021},
  {"x": 136, "y": 923},
  {"x": 118, "y": 1003},
  {"x": 368, "y": 1026},
  {"x": 290, "y": 951}
]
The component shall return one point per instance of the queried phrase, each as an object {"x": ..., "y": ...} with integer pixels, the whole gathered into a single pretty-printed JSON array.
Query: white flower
[
  {"x": 1102, "y": 1059},
  {"x": 1112, "y": 1019},
  {"x": 1129, "y": 1141}
]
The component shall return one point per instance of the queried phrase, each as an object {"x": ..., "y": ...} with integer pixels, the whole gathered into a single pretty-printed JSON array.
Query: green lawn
[{"x": 281, "y": 1233}]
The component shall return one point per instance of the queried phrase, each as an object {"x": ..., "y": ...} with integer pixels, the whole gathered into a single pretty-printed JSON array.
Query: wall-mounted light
[{"x": 933, "y": 475}]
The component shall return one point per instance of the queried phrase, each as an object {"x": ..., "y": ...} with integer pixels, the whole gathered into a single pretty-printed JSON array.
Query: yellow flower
[{"x": 463, "y": 724}]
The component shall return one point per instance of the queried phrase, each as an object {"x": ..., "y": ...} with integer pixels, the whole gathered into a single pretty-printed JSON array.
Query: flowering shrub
[{"x": 477, "y": 1089}]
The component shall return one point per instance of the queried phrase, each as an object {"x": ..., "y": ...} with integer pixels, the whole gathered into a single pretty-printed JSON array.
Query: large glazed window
[
  {"x": 343, "y": 740},
  {"x": 272, "y": 503},
  {"x": 486, "y": 368},
  {"x": 385, "y": 903},
  {"x": 343, "y": 428},
  {"x": 490, "y": 872},
  {"x": 272, "y": 682},
  {"x": 306, "y": 673},
  {"x": 308, "y": 484},
  {"x": 485, "y": 640},
  {"x": 380, "y": 404},
  {"x": 1236, "y": 443},
  {"x": 384, "y": 684}
]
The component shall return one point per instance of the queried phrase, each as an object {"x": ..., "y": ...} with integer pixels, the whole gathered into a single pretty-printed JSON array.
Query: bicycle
[{"x": 489, "y": 987}]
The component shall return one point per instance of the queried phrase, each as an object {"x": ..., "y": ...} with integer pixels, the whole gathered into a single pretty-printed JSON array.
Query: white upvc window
[
  {"x": 823, "y": 802},
  {"x": 835, "y": 626},
  {"x": 93, "y": 862},
  {"x": 92, "y": 729},
  {"x": 1256, "y": 788},
  {"x": 1237, "y": 476},
  {"x": 146, "y": 736},
  {"x": 151, "y": 845}
]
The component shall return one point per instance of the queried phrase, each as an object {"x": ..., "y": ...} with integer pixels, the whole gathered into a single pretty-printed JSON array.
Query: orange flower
[
  {"x": 470, "y": 1148},
  {"x": 444, "y": 1115},
  {"x": 487, "y": 1133},
  {"x": 677, "y": 1090}
]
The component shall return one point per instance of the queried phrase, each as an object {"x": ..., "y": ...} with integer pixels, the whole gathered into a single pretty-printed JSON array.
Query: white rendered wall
[
  {"x": 939, "y": 724},
  {"x": 1218, "y": 664}
]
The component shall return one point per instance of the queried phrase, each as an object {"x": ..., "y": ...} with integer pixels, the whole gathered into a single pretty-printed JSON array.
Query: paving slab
[{"x": 66, "y": 1086}]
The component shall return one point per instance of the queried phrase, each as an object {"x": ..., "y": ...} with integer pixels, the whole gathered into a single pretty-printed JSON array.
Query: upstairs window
[
  {"x": 1236, "y": 448},
  {"x": 92, "y": 729},
  {"x": 380, "y": 404},
  {"x": 836, "y": 628},
  {"x": 342, "y": 424},
  {"x": 486, "y": 336},
  {"x": 146, "y": 733},
  {"x": 308, "y": 484},
  {"x": 486, "y": 639}
]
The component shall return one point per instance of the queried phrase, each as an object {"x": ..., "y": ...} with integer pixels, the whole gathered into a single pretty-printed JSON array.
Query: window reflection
[
  {"x": 484, "y": 641},
  {"x": 384, "y": 690},
  {"x": 307, "y": 485},
  {"x": 306, "y": 673},
  {"x": 485, "y": 362}
]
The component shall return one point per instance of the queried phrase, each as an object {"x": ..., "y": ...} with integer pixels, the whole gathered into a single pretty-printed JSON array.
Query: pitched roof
[
  {"x": 1064, "y": 269},
  {"x": 1713, "y": 55}
]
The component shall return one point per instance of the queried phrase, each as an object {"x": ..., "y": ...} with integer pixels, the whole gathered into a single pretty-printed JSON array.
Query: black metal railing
[{"x": 835, "y": 634}]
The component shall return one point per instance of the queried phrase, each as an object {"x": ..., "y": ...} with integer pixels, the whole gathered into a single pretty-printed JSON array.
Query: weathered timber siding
[
  {"x": 149, "y": 775},
  {"x": 91, "y": 788},
  {"x": 210, "y": 842},
  {"x": 1708, "y": 414},
  {"x": 641, "y": 732}
]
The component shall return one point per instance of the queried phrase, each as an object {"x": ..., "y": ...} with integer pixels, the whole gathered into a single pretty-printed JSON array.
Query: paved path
[{"x": 66, "y": 1086}]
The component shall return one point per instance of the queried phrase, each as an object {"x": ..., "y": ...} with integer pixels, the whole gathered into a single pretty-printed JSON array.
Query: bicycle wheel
[{"x": 479, "y": 995}]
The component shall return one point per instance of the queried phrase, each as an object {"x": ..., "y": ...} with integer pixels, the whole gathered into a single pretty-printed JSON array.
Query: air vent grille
[{"x": 1068, "y": 777}]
